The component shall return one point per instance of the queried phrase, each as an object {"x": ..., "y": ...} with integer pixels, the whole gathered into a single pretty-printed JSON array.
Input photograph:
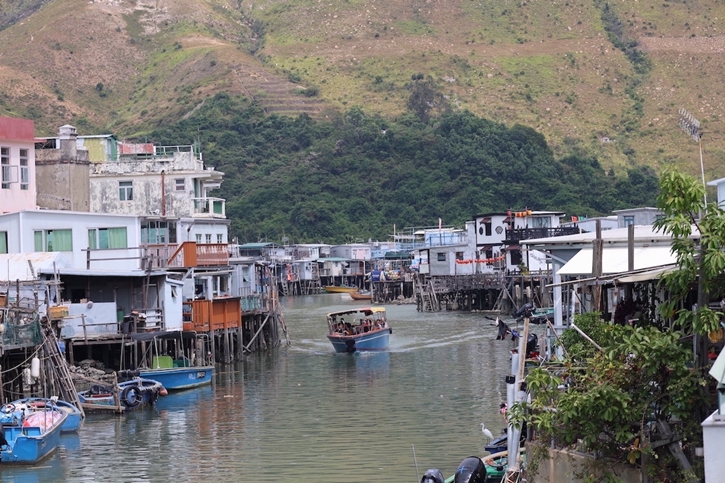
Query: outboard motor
[
  {"x": 531, "y": 344},
  {"x": 471, "y": 470},
  {"x": 433, "y": 475},
  {"x": 524, "y": 311}
]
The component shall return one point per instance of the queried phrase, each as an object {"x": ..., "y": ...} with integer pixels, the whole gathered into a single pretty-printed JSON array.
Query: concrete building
[
  {"x": 637, "y": 216},
  {"x": 17, "y": 167},
  {"x": 63, "y": 173}
]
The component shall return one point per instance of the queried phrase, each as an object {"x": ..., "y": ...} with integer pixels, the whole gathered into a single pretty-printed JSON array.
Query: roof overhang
[{"x": 615, "y": 260}]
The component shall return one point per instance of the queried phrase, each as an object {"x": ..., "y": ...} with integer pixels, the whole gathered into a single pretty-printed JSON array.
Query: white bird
[{"x": 486, "y": 432}]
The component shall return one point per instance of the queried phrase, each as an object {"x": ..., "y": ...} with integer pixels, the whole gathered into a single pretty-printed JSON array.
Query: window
[
  {"x": 628, "y": 220},
  {"x": 158, "y": 232},
  {"x": 198, "y": 238},
  {"x": 24, "y": 170},
  {"x": 3, "y": 242},
  {"x": 442, "y": 257},
  {"x": 540, "y": 222},
  {"x": 208, "y": 238},
  {"x": 105, "y": 238},
  {"x": 53, "y": 241},
  {"x": 125, "y": 190},
  {"x": 459, "y": 255},
  {"x": 5, "y": 164},
  {"x": 180, "y": 184},
  {"x": 219, "y": 238}
]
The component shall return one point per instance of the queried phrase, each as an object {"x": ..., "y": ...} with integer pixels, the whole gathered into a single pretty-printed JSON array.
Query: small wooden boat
[
  {"x": 137, "y": 392},
  {"x": 366, "y": 329},
  {"x": 28, "y": 438},
  {"x": 340, "y": 289},
  {"x": 361, "y": 295},
  {"x": 32, "y": 404}
]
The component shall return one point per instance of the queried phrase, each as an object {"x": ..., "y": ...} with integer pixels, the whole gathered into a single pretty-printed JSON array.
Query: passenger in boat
[
  {"x": 383, "y": 323},
  {"x": 378, "y": 325},
  {"x": 348, "y": 328}
]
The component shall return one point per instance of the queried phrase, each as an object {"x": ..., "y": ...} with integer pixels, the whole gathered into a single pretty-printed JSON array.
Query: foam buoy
[{"x": 35, "y": 367}]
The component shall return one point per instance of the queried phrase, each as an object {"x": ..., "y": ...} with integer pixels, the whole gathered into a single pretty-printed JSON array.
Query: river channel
[{"x": 306, "y": 414}]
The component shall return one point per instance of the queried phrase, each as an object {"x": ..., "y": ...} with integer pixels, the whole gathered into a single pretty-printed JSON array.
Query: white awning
[
  {"x": 653, "y": 274},
  {"x": 614, "y": 260}
]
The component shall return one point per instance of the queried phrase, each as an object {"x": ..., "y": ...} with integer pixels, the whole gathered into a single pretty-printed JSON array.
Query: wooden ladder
[{"x": 68, "y": 390}]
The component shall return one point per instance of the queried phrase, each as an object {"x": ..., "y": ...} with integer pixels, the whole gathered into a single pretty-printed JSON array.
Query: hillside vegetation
[
  {"x": 355, "y": 176},
  {"x": 599, "y": 81}
]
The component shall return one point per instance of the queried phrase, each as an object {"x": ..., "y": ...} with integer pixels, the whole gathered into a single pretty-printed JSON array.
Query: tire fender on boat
[
  {"x": 350, "y": 346},
  {"x": 391, "y": 330},
  {"x": 131, "y": 396}
]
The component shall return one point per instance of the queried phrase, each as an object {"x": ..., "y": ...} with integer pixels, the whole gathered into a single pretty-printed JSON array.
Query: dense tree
[{"x": 356, "y": 175}]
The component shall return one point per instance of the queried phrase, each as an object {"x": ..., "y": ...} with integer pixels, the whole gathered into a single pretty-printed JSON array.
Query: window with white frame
[
  {"x": 125, "y": 190},
  {"x": 180, "y": 184},
  {"x": 53, "y": 240},
  {"x": 24, "y": 170},
  {"x": 198, "y": 238},
  {"x": 105, "y": 238},
  {"x": 219, "y": 238},
  {"x": 208, "y": 238},
  {"x": 5, "y": 168}
]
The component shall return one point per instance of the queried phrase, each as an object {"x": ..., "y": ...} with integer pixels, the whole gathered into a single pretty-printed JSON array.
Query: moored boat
[
  {"x": 175, "y": 374},
  {"x": 136, "y": 392},
  {"x": 361, "y": 295},
  {"x": 340, "y": 289},
  {"x": 28, "y": 437},
  {"x": 366, "y": 329},
  {"x": 34, "y": 404}
]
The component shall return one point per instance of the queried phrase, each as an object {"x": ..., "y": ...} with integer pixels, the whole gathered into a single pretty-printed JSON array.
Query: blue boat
[
  {"x": 72, "y": 423},
  {"x": 366, "y": 329},
  {"x": 28, "y": 438},
  {"x": 177, "y": 378},
  {"x": 174, "y": 374}
]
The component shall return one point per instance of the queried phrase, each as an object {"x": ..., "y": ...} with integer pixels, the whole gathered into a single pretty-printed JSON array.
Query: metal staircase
[{"x": 428, "y": 300}]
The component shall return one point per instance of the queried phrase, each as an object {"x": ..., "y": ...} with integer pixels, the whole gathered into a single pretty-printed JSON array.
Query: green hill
[{"x": 600, "y": 81}]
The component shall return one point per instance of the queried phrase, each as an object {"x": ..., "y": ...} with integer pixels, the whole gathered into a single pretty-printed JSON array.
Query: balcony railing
[
  {"x": 191, "y": 254},
  {"x": 209, "y": 207},
  {"x": 516, "y": 235}
]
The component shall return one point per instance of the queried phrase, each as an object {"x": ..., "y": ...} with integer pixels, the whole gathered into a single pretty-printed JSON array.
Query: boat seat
[
  {"x": 162, "y": 362},
  {"x": 99, "y": 389}
]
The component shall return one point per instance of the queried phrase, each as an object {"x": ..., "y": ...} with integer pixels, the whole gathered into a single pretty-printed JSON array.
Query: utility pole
[{"x": 691, "y": 127}]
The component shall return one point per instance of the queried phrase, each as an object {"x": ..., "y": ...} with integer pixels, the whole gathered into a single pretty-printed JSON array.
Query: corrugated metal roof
[
  {"x": 15, "y": 266},
  {"x": 614, "y": 260},
  {"x": 105, "y": 273}
]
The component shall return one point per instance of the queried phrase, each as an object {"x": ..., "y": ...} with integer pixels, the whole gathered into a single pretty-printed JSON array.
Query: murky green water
[{"x": 307, "y": 414}]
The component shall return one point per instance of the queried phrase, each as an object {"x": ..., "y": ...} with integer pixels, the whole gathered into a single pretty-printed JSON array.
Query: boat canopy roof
[
  {"x": 362, "y": 310},
  {"x": 169, "y": 334}
]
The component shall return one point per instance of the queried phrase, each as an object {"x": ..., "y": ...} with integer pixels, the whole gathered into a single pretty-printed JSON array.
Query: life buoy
[{"x": 131, "y": 396}]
